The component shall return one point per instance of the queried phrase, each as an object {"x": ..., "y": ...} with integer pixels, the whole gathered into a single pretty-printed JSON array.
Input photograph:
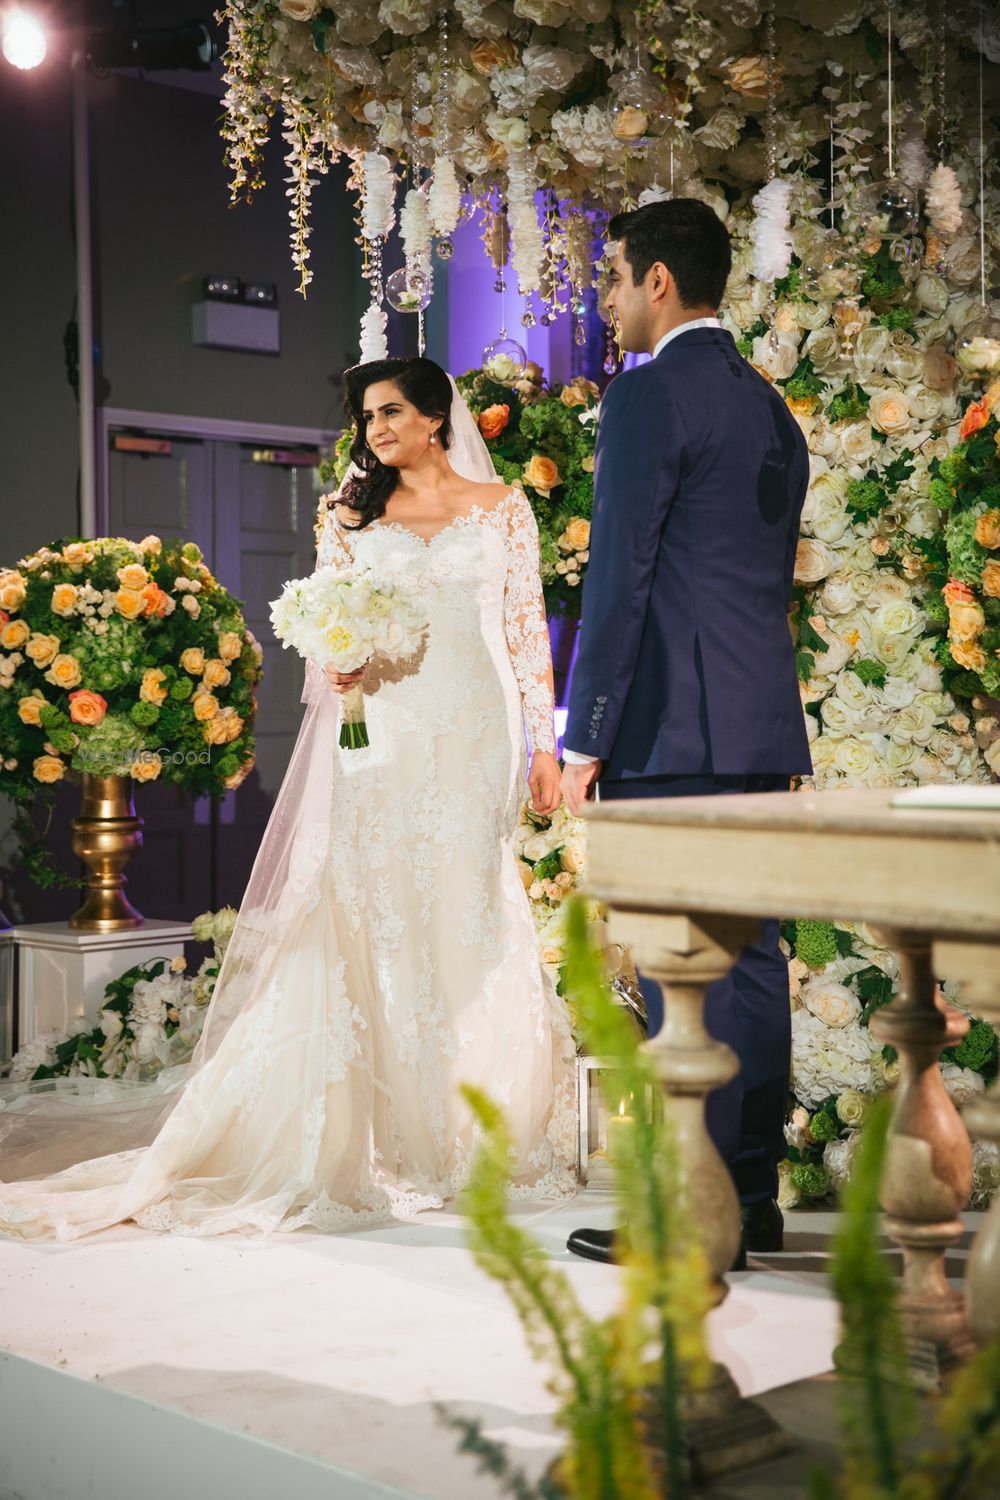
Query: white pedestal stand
[{"x": 62, "y": 972}]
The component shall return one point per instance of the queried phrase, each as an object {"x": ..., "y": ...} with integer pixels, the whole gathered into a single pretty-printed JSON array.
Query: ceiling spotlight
[
  {"x": 23, "y": 40},
  {"x": 223, "y": 288},
  {"x": 263, "y": 293},
  {"x": 189, "y": 45}
]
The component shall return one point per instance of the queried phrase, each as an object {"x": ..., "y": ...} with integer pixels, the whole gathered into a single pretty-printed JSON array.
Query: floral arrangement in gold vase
[{"x": 120, "y": 662}]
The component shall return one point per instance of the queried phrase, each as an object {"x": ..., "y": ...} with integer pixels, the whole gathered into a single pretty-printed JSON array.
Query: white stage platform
[{"x": 305, "y": 1366}]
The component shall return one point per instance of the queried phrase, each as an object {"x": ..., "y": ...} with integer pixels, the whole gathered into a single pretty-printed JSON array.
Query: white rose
[
  {"x": 825, "y": 440},
  {"x": 839, "y": 594},
  {"x": 852, "y": 1108},
  {"x": 888, "y": 588},
  {"x": 777, "y": 353},
  {"x": 925, "y": 404},
  {"x": 788, "y": 1194},
  {"x": 814, "y": 316},
  {"x": 897, "y": 617},
  {"x": 833, "y": 1004},
  {"x": 857, "y": 695},
  {"x": 813, "y": 560},
  {"x": 897, "y": 692},
  {"x": 963, "y": 1084},
  {"x": 823, "y": 514},
  {"x": 837, "y": 718},
  {"x": 905, "y": 362},
  {"x": 837, "y": 1157},
  {"x": 509, "y": 130},
  {"x": 931, "y": 292},
  {"x": 870, "y": 349},
  {"x": 912, "y": 725},
  {"x": 111, "y": 1024},
  {"x": 856, "y": 760},
  {"x": 299, "y": 10},
  {"x": 985, "y": 1172},
  {"x": 824, "y": 349},
  {"x": 857, "y": 444}
]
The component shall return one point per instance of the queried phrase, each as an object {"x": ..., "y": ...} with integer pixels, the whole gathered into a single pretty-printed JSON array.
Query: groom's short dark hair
[{"x": 688, "y": 237}]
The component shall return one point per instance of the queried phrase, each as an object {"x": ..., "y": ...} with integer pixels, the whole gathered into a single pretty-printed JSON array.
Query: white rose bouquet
[{"x": 343, "y": 621}]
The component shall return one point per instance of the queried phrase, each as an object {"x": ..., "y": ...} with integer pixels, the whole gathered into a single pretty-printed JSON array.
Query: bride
[{"x": 384, "y": 953}]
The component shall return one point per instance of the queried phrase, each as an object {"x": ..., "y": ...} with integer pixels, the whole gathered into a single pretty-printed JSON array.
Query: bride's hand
[
  {"x": 543, "y": 780},
  {"x": 342, "y": 682}
]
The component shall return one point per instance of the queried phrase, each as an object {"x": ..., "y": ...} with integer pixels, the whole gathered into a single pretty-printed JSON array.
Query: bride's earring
[{"x": 433, "y": 437}]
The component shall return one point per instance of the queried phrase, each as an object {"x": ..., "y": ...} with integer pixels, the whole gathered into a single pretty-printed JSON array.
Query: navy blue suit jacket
[{"x": 686, "y": 663}]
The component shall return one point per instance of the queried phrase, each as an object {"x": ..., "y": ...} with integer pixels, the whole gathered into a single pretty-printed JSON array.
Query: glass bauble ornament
[
  {"x": 505, "y": 360},
  {"x": 824, "y": 266},
  {"x": 408, "y": 291},
  {"x": 977, "y": 347},
  {"x": 888, "y": 208},
  {"x": 637, "y": 108}
]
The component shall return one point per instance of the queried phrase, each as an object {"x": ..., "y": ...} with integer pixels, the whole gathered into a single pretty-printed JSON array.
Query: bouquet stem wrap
[{"x": 353, "y": 730}]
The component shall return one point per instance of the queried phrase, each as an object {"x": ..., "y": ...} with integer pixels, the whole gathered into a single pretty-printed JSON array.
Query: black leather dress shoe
[
  {"x": 763, "y": 1226},
  {"x": 594, "y": 1244}
]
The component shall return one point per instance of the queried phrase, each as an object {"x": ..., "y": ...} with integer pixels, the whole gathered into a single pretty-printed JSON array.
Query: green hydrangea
[
  {"x": 815, "y": 943},
  {"x": 977, "y": 1050},
  {"x": 824, "y": 1126},
  {"x": 848, "y": 405},
  {"x": 951, "y": 469},
  {"x": 144, "y": 714},
  {"x": 108, "y": 744},
  {"x": 191, "y": 552},
  {"x": 228, "y": 765},
  {"x": 869, "y": 670},
  {"x": 865, "y": 497},
  {"x": 181, "y": 689},
  {"x": 965, "y": 556},
  {"x": 937, "y": 611},
  {"x": 811, "y": 1178},
  {"x": 898, "y": 317},
  {"x": 63, "y": 739},
  {"x": 941, "y": 494}
]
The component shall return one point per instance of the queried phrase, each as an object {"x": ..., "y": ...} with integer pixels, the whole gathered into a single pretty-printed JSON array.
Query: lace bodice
[{"x": 510, "y": 572}]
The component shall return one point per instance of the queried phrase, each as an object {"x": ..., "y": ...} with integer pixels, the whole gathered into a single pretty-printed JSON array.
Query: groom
[{"x": 685, "y": 681}]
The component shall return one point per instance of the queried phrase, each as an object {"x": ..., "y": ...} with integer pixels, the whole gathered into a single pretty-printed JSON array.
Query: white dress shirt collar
[{"x": 685, "y": 328}]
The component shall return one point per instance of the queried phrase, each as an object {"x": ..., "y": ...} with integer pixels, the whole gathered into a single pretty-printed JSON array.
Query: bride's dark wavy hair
[{"x": 427, "y": 387}]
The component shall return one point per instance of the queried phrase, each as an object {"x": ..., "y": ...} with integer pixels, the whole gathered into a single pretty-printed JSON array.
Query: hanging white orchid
[
  {"x": 378, "y": 216},
  {"x": 444, "y": 198}
]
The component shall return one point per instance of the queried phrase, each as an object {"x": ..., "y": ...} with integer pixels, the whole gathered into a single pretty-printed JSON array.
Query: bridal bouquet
[{"x": 344, "y": 621}]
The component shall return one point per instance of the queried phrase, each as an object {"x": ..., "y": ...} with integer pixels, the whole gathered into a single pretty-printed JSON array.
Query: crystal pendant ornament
[
  {"x": 505, "y": 360},
  {"x": 579, "y": 333},
  {"x": 977, "y": 347},
  {"x": 528, "y": 319},
  {"x": 408, "y": 291},
  {"x": 445, "y": 249},
  {"x": 888, "y": 208}
]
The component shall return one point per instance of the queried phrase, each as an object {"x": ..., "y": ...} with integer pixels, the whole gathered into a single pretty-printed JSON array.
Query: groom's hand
[{"x": 578, "y": 784}]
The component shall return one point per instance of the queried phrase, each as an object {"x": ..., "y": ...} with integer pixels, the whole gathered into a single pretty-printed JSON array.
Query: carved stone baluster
[
  {"x": 975, "y": 966},
  {"x": 929, "y": 1168},
  {"x": 684, "y": 954}
]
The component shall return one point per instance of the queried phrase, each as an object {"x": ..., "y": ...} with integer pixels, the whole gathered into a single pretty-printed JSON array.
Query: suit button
[
  {"x": 593, "y": 734},
  {"x": 602, "y": 699}
]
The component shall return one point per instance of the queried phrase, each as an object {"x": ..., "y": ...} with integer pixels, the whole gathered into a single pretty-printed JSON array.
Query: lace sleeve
[
  {"x": 334, "y": 543},
  {"x": 525, "y": 625}
]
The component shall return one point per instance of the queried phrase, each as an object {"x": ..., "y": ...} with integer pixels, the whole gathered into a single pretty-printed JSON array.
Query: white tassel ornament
[
  {"x": 944, "y": 200},
  {"x": 379, "y": 192},
  {"x": 772, "y": 243},
  {"x": 374, "y": 343},
  {"x": 444, "y": 198}
]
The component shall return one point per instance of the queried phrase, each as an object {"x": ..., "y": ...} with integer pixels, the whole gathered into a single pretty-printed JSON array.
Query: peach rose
[
  {"x": 205, "y": 706},
  {"x": 977, "y": 415},
  {"x": 940, "y": 368},
  {"x": 133, "y": 576},
  {"x": 749, "y": 76},
  {"x": 579, "y": 392},
  {"x": 968, "y": 655},
  {"x": 157, "y": 602},
  {"x": 216, "y": 731},
  {"x": 230, "y": 645},
  {"x": 216, "y": 673},
  {"x": 802, "y": 406},
  {"x": 957, "y": 593},
  {"x": 77, "y": 555},
  {"x": 493, "y": 420},
  {"x": 48, "y": 768},
  {"x": 146, "y": 768},
  {"x": 41, "y": 649},
  {"x": 14, "y": 635},
  {"x": 12, "y": 589},
  {"x": 193, "y": 660},
  {"x": 541, "y": 473},
  {"x": 889, "y": 412},
  {"x": 488, "y": 55},
  {"x": 151, "y": 544},
  {"x": 991, "y": 580},
  {"x": 130, "y": 603},
  {"x": 64, "y": 672},
  {"x": 64, "y": 597},
  {"x": 152, "y": 689},
  {"x": 29, "y": 709},
  {"x": 966, "y": 622},
  {"x": 988, "y": 530},
  {"x": 238, "y": 777},
  {"x": 577, "y": 534},
  {"x": 86, "y": 707}
]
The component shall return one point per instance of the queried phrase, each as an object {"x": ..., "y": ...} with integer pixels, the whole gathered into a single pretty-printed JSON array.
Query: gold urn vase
[{"x": 105, "y": 836}]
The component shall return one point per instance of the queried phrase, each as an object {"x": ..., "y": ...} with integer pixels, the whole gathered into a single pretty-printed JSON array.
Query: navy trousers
[{"x": 749, "y": 1010}]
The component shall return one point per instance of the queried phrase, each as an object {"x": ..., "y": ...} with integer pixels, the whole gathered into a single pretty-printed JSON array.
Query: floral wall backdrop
[{"x": 866, "y": 224}]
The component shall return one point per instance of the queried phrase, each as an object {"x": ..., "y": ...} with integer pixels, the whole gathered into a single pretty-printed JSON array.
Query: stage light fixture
[
  {"x": 223, "y": 288},
  {"x": 23, "y": 40},
  {"x": 261, "y": 293},
  {"x": 190, "y": 45}
]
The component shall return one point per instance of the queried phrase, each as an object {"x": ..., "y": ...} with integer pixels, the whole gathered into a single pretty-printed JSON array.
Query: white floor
[{"x": 310, "y": 1364}]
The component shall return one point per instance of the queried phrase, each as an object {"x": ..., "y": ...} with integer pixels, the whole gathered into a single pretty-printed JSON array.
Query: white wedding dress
[{"x": 384, "y": 955}]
